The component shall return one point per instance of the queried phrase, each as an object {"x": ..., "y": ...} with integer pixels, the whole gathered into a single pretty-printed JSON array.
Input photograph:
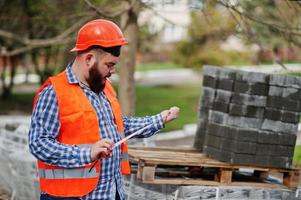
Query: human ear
[{"x": 90, "y": 59}]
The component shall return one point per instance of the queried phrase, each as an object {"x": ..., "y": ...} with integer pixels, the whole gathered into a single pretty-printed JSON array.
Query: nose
[{"x": 112, "y": 70}]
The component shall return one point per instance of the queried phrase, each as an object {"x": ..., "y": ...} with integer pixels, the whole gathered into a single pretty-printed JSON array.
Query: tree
[
  {"x": 208, "y": 28},
  {"x": 27, "y": 29},
  {"x": 269, "y": 24}
]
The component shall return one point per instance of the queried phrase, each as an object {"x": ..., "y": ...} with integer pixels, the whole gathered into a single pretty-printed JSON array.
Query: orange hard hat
[{"x": 99, "y": 32}]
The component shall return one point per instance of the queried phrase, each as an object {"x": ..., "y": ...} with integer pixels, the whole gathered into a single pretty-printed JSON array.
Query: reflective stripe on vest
[
  {"x": 68, "y": 173},
  {"x": 125, "y": 157}
]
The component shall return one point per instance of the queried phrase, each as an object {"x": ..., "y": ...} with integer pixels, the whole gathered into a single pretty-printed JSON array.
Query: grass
[
  {"x": 149, "y": 101},
  {"x": 297, "y": 156},
  {"x": 152, "y": 100},
  {"x": 294, "y": 73},
  {"x": 156, "y": 66}
]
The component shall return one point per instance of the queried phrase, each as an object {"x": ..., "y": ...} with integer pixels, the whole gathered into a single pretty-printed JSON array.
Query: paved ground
[{"x": 176, "y": 76}]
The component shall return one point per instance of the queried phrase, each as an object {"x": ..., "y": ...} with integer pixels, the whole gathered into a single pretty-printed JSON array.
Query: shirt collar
[{"x": 72, "y": 79}]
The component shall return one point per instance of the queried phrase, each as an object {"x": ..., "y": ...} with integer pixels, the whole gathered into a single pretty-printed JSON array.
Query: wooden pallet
[{"x": 161, "y": 166}]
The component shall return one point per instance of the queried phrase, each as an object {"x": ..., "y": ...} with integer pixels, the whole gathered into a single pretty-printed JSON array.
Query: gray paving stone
[
  {"x": 292, "y": 93},
  {"x": 211, "y": 71},
  {"x": 242, "y": 87},
  {"x": 244, "y": 147},
  {"x": 262, "y": 160},
  {"x": 204, "y": 111},
  {"x": 208, "y": 93},
  {"x": 251, "y": 88},
  {"x": 276, "y": 91},
  {"x": 200, "y": 134},
  {"x": 235, "y": 121},
  {"x": 252, "y": 77},
  {"x": 248, "y": 111},
  {"x": 242, "y": 159},
  {"x": 244, "y": 122},
  {"x": 252, "y": 122},
  {"x": 249, "y": 100},
  {"x": 226, "y": 144},
  {"x": 291, "y": 105},
  {"x": 277, "y": 79},
  {"x": 220, "y": 106},
  {"x": 273, "y": 114},
  {"x": 225, "y": 84},
  {"x": 209, "y": 81},
  {"x": 212, "y": 152},
  {"x": 205, "y": 105},
  {"x": 227, "y": 73},
  {"x": 246, "y": 135},
  {"x": 218, "y": 117},
  {"x": 284, "y": 104},
  {"x": 265, "y": 149},
  {"x": 226, "y": 156},
  {"x": 267, "y": 137},
  {"x": 213, "y": 141},
  {"x": 290, "y": 117},
  {"x": 281, "y": 162},
  {"x": 287, "y": 139},
  {"x": 275, "y": 102},
  {"x": 223, "y": 96},
  {"x": 278, "y": 126},
  {"x": 286, "y": 151},
  {"x": 285, "y": 81},
  {"x": 260, "y": 89},
  {"x": 215, "y": 129}
]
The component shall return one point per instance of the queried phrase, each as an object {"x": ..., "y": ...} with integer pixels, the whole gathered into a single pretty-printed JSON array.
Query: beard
[{"x": 95, "y": 79}]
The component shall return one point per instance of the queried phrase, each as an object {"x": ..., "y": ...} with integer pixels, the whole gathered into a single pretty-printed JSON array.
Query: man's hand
[
  {"x": 171, "y": 114},
  {"x": 102, "y": 149}
]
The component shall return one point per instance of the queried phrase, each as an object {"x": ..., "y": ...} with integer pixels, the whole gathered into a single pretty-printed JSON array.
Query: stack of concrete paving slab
[{"x": 249, "y": 118}]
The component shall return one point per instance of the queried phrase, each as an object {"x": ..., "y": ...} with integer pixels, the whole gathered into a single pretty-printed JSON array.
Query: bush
[{"x": 190, "y": 56}]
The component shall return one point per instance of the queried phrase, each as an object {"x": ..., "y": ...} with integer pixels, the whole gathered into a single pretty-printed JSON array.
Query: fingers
[
  {"x": 102, "y": 148},
  {"x": 174, "y": 109},
  {"x": 172, "y": 114},
  {"x": 107, "y": 141}
]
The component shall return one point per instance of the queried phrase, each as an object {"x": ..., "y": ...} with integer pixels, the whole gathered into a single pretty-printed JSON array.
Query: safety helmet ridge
[{"x": 99, "y": 32}]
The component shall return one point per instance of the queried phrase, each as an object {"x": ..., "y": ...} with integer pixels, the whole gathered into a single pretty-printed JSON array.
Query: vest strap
[{"x": 67, "y": 173}]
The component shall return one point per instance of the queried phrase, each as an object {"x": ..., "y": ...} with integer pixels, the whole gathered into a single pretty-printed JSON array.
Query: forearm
[
  {"x": 133, "y": 124},
  {"x": 50, "y": 151}
]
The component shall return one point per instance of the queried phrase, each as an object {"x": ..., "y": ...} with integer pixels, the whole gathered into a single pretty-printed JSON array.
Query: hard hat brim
[{"x": 109, "y": 44}]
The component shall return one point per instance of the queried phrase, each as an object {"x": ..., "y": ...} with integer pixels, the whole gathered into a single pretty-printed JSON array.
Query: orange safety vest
[{"x": 79, "y": 126}]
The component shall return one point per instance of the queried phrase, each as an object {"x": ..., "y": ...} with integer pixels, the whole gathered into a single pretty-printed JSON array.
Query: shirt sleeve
[
  {"x": 43, "y": 133},
  {"x": 133, "y": 124}
]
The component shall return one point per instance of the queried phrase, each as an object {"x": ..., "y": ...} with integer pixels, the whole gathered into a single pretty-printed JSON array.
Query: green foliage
[
  {"x": 210, "y": 54},
  {"x": 205, "y": 34},
  {"x": 283, "y": 17},
  {"x": 147, "y": 38},
  {"x": 297, "y": 156}
]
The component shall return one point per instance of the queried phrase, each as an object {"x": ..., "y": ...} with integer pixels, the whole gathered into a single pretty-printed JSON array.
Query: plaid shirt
[{"x": 45, "y": 126}]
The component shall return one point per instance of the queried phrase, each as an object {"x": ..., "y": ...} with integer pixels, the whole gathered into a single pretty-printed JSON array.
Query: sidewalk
[{"x": 176, "y": 76}]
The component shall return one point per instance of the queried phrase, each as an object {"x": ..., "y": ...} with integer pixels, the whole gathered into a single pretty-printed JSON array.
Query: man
[{"x": 77, "y": 119}]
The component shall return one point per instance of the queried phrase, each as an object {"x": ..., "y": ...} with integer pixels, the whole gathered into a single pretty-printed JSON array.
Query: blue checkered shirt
[{"x": 45, "y": 126}]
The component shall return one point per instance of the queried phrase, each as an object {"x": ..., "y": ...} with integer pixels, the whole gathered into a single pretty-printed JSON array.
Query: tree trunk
[
  {"x": 11, "y": 63},
  {"x": 127, "y": 63}
]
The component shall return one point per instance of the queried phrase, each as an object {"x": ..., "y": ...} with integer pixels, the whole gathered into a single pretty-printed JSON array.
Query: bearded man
[{"x": 77, "y": 119}]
